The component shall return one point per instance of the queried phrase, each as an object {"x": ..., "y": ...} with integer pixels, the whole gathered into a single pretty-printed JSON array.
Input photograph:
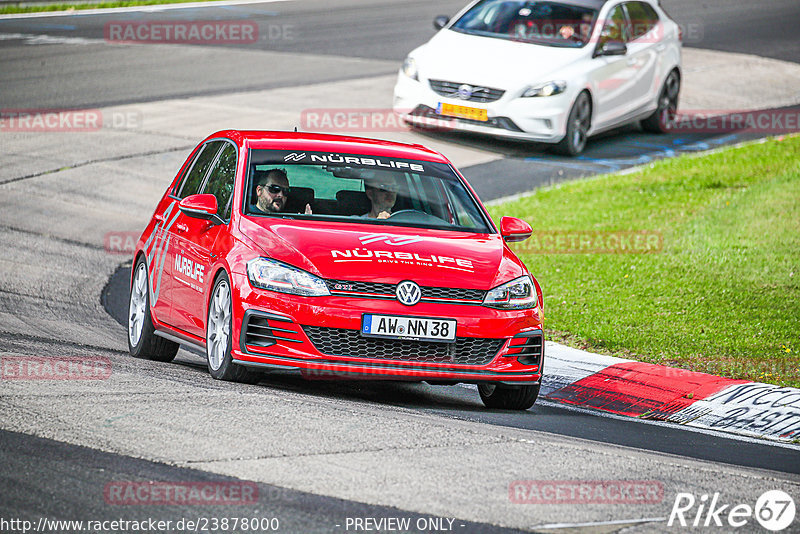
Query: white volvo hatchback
[{"x": 547, "y": 71}]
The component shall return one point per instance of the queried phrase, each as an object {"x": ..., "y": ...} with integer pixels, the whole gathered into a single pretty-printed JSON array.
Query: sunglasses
[{"x": 275, "y": 189}]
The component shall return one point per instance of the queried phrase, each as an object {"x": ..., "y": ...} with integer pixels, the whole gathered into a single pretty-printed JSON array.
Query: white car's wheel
[
  {"x": 142, "y": 341},
  {"x": 664, "y": 116},
  {"x": 578, "y": 123}
]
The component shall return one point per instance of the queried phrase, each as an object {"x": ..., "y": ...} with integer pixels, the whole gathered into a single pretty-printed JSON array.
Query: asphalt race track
[{"x": 316, "y": 455}]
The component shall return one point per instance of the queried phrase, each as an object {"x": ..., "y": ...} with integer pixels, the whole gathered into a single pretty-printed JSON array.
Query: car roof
[{"x": 316, "y": 142}]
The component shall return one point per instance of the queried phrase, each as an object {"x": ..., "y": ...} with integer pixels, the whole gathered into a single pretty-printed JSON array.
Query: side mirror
[
  {"x": 514, "y": 230},
  {"x": 201, "y": 207},
  {"x": 611, "y": 48},
  {"x": 440, "y": 21}
]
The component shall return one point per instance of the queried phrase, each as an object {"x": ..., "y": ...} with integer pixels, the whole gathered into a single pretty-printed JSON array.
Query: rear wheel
[
  {"x": 142, "y": 341},
  {"x": 664, "y": 115},
  {"x": 578, "y": 123},
  {"x": 508, "y": 397},
  {"x": 219, "y": 338}
]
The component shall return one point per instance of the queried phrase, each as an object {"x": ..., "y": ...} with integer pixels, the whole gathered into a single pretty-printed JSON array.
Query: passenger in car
[
  {"x": 382, "y": 193},
  {"x": 272, "y": 192}
]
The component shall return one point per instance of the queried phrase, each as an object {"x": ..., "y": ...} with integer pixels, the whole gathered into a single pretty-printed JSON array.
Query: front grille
[
  {"x": 388, "y": 290},
  {"x": 350, "y": 343},
  {"x": 479, "y": 94},
  {"x": 263, "y": 330}
]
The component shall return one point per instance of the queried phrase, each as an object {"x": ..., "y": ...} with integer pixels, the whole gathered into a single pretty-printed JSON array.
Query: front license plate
[
  {"x": 462, "y": 112},
  {"x": 400, "y": 327}
]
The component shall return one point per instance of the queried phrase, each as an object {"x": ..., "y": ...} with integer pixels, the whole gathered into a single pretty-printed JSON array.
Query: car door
[
  {"x": 195, "y": 240},
  {"x": 644, "y": 47},
  {"x": 176, "y": 225},
  {"x": 612, "y": 77}
]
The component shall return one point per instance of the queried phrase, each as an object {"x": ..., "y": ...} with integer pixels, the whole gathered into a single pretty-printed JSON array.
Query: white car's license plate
[{"x": 401, "y": 327}]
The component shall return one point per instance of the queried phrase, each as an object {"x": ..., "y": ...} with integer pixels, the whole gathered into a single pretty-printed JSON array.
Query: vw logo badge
[
  {"x": 408, "y": 293},
  {"x": 465, "y": 92}
]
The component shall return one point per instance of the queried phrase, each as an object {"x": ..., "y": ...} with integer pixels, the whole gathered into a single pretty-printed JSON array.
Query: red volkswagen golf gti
[{"x": 337, "y": 257}]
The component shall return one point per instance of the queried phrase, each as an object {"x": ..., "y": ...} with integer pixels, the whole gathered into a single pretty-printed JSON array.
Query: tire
[
  {"x": 142, "y": 341},
  {"x": 664, "y": 115},
  {"x": 218, "y": 336},
  {"x": 508, "y": 397},
  {"x": 578, "y": 123}
]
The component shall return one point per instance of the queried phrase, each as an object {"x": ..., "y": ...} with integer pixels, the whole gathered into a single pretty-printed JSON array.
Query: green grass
[
  {"x": 8, "y": 9},
  {"x": 723, "y": 294}
]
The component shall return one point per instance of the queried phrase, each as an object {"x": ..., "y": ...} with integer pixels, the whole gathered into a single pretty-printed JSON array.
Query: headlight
[
  {"x": 517, "y": 294},
  {"x": 546, "y": 89},
  {"x": 410, "y": 68},
  {"x": 276, "y": 276}
]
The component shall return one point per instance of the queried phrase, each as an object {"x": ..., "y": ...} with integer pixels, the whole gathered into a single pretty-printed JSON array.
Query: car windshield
[
  {"x": 547, "y": 23},
  {"x": 360, "y": 189}
]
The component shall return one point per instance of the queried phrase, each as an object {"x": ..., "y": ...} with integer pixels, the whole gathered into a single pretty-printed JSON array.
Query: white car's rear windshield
[
  {"x": 361, "y": 189},
  {"x": 547, "y": 23}
]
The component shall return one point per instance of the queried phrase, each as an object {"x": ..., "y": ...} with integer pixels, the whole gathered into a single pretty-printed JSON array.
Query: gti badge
[
  {"x": 408, "y": 293},
  {"x": 465, "y": 92}
]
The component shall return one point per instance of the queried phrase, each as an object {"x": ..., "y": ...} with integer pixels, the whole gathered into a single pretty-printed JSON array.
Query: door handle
[{"x": 181, "y": 227}]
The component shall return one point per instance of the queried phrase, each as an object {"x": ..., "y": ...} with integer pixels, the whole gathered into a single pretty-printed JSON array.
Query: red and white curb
[{"x": 655, "y": 392}]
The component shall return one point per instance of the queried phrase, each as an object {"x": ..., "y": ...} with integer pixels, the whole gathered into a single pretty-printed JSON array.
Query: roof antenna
[{"x": 295, "y": 128}]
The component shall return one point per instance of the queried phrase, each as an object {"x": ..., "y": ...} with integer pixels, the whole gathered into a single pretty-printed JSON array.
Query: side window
[
  {"x": 221, "y": 179},
  {"x": 615, "y": 28},
  {"x": 194, "y": 179},
  {"x": 643, "y": 18}
]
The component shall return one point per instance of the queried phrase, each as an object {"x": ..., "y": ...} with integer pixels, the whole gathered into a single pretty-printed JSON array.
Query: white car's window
[
  {"x": 361, "y": 189},
  {"x": 615, "y": 28},
  {"x": 548, "y": 23},
  {"x": 642, "y": 17}
]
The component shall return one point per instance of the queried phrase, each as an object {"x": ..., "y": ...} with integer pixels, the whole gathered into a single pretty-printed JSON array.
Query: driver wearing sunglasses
[{"x": 272, "y": 192}]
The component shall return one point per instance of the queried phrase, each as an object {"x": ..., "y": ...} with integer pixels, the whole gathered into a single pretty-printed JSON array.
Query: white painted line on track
[
  {"x": 134, "y": 9},
  {"x": 601, "y": 523}
]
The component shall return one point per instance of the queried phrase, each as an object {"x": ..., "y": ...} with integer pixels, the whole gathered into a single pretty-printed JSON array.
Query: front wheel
[
  {"x": 508, "y": 397},
  {"x": 578, "y": 123},
  {"x": 142, "y": 341},
  {"x": 219, "y": 338},
  {"x": 664, "y": 115}
]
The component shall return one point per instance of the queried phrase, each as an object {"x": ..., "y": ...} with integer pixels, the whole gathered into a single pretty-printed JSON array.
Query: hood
[
  {"x": 490, "y": 61},
  {"x": 375, "y": 253}
]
